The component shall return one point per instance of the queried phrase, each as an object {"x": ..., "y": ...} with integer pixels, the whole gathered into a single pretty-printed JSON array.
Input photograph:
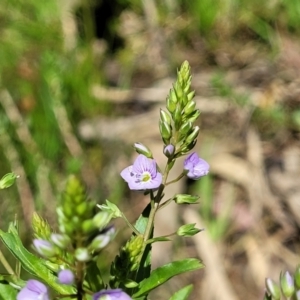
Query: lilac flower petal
[
  {"x": 116, "y": 294},
  {"x": 34, "y": 290},
  {"x": 142, "y": 175},
  {"x": 66, "y": 277},
  {"x": 196, "y": 166}
]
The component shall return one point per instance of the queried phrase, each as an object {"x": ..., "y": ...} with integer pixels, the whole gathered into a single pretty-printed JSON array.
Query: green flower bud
[
  {"x": 287, "y": 284},
  {"x": 101, "y": 240},
  {"x": 8, "y": 180},
  {"x": 297, "y": 277},
  {"x": 81, "y": 209},
  {"x": 191, "y": 95},
  {"x": 195, "y": 115},
  {"x": 193, "y": 136},
  {"x": 185, "y": 199},
  {"x": 185, "y": 128},
  {"x": 130, "y": 284},
  {"x": 273, "y": 289},
  {"x": 190, "y": 107},
  {"x": 165, "y": 117},
  {"x": 165, "y": 130},
  {"x": 60, "y": 240},
  {"x": 171, "y": 105},
  {"x": 82, "y": 254},
  {"x": 188, "y": 230},
  {"x": 88, "y": 226},
  {"x": 173, "y": 95},
  {"x": 177, "y": 117},
  {"x": 142, "y": 149},
  {"x": 101, "y": 219}
]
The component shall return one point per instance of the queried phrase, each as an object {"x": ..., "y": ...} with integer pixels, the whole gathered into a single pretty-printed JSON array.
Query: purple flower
[
  {"x": 117, "y": 294},
  {"x": 142, "y": 175},
  {"x": 196, "y": 166},
  {"x": 66, "y": 277},
  {"x": 34, "y": 290}
]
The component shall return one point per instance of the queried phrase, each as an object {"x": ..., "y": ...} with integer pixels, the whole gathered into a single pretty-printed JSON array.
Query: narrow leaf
[{"x": 166, "y": 272}]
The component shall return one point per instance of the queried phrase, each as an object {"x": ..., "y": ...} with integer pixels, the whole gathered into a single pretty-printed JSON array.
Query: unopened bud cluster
[
  {"x": 82, "y": 233},
  {"x": 177, "y": 123},
  {"x": 126, "y": 262},
  {"x": 288, "y": 287}
]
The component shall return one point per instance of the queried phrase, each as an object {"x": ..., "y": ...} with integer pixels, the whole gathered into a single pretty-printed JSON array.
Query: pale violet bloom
[
  {"x": 116, "y": 294},
  {"x": 142, "y": 175},
  {"x": 66, "y": 277},
  {"x": 196, "y": 166},
  {"x": 34, "y": 290}
]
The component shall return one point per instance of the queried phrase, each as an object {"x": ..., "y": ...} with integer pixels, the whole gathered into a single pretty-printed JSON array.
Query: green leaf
[
  {"x": 166, "y": 272},
  {"x": 93, "y": 277},
  {"x": 183, "y": 293},
  {"x": 32, "y": 264},
  {"x": 7, "y": 292}
]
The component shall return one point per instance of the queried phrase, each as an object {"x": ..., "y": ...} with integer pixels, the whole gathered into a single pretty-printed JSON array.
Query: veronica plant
[{"x": 66, "y": 262}]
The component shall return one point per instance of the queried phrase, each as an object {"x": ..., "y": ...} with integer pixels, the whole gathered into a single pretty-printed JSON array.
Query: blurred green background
[{"x": 55, "y": 56}]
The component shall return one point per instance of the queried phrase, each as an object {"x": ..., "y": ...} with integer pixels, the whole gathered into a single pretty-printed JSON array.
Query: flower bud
[
  {"x": 177, "y": 117},
  {"x": 185, "y": 128},
  {"x": 190, "y": 107},
  {"x": 66, "y": 277},
  {"x": 44, "y": 248},
  {"x": 165, "y": 117},
  {"x": 142, "y": 149},
  {"x": 101, "y": 219},
  {"x": 193, "y": 135},
  {"x": 171, "y": 105},
  {"x": 165, "y": 130},
  {"x": 287, "y": 284},
  {"x": 8, "y": 180},
  {"x": 273, "y": 289},
  {"x": 194, "y": 116},
  {"x": 169, "y": 150},
  {"x": 82, "y": 254},
  {"x": 60, "y": 240},
  {"x": 188, "y": 230},
  {"x": 185, "y": 199},
  {"x": 191, "y": 95}
]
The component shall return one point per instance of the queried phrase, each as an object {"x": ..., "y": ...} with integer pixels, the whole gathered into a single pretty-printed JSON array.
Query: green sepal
[
  {"x": 32, "y": 264},
  {"x": 183, "y": 293},
  {"x": 111, "y": 208},
  {"x": 166, "y": 272}
]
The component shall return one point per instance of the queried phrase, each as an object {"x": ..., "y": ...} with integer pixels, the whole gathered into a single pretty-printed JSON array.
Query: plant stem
[{"x": 6, "y": 265}]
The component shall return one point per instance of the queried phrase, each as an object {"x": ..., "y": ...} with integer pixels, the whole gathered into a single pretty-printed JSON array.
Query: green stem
[
  {"x": 177, "y": 179},
  {"x": 130, "y": 225},
  {"x": 6, "y": 265}
]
